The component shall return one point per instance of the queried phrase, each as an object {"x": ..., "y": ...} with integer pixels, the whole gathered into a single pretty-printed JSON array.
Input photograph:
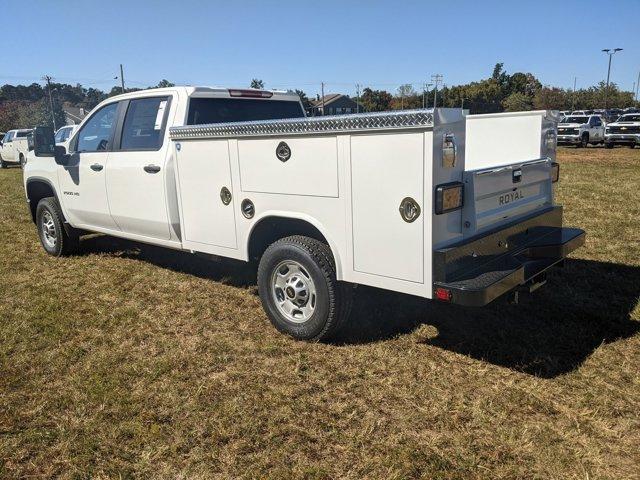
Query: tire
[
  {"x": 632, "y": 146},
  {"x": 608, "y": 145},
  {"x": 584, "y": 141},
  {"x": 54, "y": 237},
  {"x": 22, "y": 162},
  {"x": 3, "y": 164},
  {"x": 299, "y": 290}
]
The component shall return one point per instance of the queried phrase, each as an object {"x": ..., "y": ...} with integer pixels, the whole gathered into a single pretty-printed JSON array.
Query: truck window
[
  {"x": 96, "y": 134},
  {"x": 22, "y": 134},
  {"x": 222, "y": 110},
  {"x": 144, "y": 124},
  {"x": 61, "y": 135}
]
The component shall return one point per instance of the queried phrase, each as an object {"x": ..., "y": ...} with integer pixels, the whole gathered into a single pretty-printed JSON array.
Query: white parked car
[
  {"x": 382, "y": 199},
  {"x": 14, "y": 147},
  {"x": 624, "y": 131},
  {"x": 581, "y": 130},
  {"x": 63, "y": 134}
]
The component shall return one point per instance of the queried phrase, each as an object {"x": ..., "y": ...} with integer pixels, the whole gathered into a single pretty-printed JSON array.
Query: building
[
  {"x": 333, "y": 104},
  {"x": 73, "y": 115}
]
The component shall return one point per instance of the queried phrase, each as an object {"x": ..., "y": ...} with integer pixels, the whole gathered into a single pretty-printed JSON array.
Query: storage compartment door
[
  {"x": 385, "y": 169},
  {"x": 203, "y": 170}
]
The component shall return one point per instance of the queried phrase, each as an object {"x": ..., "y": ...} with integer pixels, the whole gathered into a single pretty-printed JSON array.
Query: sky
[{"x": 301, "y": 44}]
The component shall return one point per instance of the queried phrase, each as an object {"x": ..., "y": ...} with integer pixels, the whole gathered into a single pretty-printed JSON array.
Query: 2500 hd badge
[{"x": 510, "y": 197}]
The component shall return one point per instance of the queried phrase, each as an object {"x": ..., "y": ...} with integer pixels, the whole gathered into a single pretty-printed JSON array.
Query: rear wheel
[
  {"x": 633, "y": 145},
  {"x": 608, "y": 145},
  {"x": 54, "y": 238},
  {"x": 3, "y": 164},
  {"x": 22, "y": 161},
  {"x": 299, "y": 290}
]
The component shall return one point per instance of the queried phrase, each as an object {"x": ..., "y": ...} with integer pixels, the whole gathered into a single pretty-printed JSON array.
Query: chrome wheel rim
[
  {"x": 293, "y": 291},
  {"x": 49, "y": 233}
]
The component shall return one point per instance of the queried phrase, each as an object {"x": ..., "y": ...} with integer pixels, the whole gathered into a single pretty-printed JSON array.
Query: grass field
[{"x": 133, "y": 361}]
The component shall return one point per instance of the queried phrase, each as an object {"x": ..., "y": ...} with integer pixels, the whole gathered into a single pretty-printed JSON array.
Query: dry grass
[{"x": 133, "y": 361}]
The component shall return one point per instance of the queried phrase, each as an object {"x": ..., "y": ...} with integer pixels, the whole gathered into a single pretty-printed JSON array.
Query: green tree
[
  {"x": 257, "y": 83},
  {"x": 164, "y": 84},
  {"x": 550, "y": 99},
  {"x": 376, "y": 100},
  {"x": 306, "y": 103},
  {"x": 517, "y": 102}
]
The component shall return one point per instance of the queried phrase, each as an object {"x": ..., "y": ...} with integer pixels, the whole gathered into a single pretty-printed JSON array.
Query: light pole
[{"x": 611, "y": 53}]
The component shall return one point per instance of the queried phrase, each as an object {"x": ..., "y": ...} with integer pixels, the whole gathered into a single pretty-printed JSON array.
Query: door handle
[
  {"x": 151, "y": 168},
  {"x": 96, "y": 167}
]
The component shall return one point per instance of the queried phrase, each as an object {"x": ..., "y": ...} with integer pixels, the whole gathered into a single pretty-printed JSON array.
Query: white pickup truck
[
  {"x": 624, "y": 131},
  {"x": 381, "y": 199},
  {"x": 581, "y": 130},
  {"x": 14, "y": 147}
]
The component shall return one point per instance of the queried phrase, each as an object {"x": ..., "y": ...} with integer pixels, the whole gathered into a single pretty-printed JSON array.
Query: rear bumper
[{"x": 477, "y": 271}]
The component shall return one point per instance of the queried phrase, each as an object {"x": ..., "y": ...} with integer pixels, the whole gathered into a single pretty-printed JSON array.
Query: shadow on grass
[
  {"x": 548, "y": 333},
  {"x": 224, "y": 270}
]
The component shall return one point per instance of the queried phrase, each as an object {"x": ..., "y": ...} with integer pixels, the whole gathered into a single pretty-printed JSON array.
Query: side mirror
[
  {"x": 61, "y": 155},
  {"x": 44, "y": 142}
]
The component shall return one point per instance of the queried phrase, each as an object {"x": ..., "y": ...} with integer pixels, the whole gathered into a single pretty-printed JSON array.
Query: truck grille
[
  {"x": 624, "y": 129},
  {"x": 567, "y": 131}
]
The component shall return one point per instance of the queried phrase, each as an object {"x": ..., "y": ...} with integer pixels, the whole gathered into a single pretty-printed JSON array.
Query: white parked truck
[
  {"x": 14, "y": 147},
  {"x": 581, "y": 130},
  {"x": 382, "y": 199},
  {"x": 624, "y": 131}
]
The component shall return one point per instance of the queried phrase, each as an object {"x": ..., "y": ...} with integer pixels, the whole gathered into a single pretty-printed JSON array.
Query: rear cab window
[{"x": 223, "y": 110}]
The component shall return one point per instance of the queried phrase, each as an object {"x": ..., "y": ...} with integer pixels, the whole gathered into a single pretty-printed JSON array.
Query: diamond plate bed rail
[{"x": 404, "y": 119}]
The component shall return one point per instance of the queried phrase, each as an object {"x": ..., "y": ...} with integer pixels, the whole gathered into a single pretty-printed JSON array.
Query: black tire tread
[
  {"x": 68, "y": 243},
  {"x": 341, "y": 293}
]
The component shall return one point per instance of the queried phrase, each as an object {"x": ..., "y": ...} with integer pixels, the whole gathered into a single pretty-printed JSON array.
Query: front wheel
[
  {"x": 584, "y": 141},
  {"x": 608, "y": 145},
  {"x": 299, "y": 290},
  {"x": 3, "y": 164},
  {"x": 53, "y": 236},
  {"x": 22, "y": 161}
]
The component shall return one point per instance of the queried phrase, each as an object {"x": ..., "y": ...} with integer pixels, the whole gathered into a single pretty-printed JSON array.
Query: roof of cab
[{"x": 208, "y": 91}]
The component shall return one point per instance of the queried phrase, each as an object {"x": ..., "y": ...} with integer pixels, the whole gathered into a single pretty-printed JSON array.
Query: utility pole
[
  {"x": 122, "y": 77},
  {"x": 357, "y": 98},
  {"x": 48, "y": 79},
  {"x": 609, "y": 52},
  {"x": 322, "y": 90},
  {"x": 573, "y": 95},
  {"x": 437, "y": 78},
  {"x": 637, "y": 86}
]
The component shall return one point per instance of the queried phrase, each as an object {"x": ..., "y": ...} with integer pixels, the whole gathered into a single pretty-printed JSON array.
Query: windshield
[
  {"x": 576, "y": 120},
  {"x": 220, "y": 110},
  {"x": 22, "y": 134},
  {"x": 629, "y": 118}
]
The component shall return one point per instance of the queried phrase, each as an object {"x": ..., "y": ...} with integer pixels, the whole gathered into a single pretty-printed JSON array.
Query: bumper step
[{"x": 477, "y": 272}]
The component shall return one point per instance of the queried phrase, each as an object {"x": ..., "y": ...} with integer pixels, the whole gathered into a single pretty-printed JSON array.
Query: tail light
[
  {"x": 555, "y": 172},
  {"x": 449, "y": 197},
  {"x": 251, "y": 93},
  {"x": 443, "y": 294}
]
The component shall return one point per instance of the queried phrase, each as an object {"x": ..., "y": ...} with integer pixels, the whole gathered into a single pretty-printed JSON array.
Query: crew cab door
[
  {"x": 136, "y": 173},
  {"x": 7, "y": 147},
  {"x": 82, "y": 181},
  {"x": 597, "y": 128}
]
